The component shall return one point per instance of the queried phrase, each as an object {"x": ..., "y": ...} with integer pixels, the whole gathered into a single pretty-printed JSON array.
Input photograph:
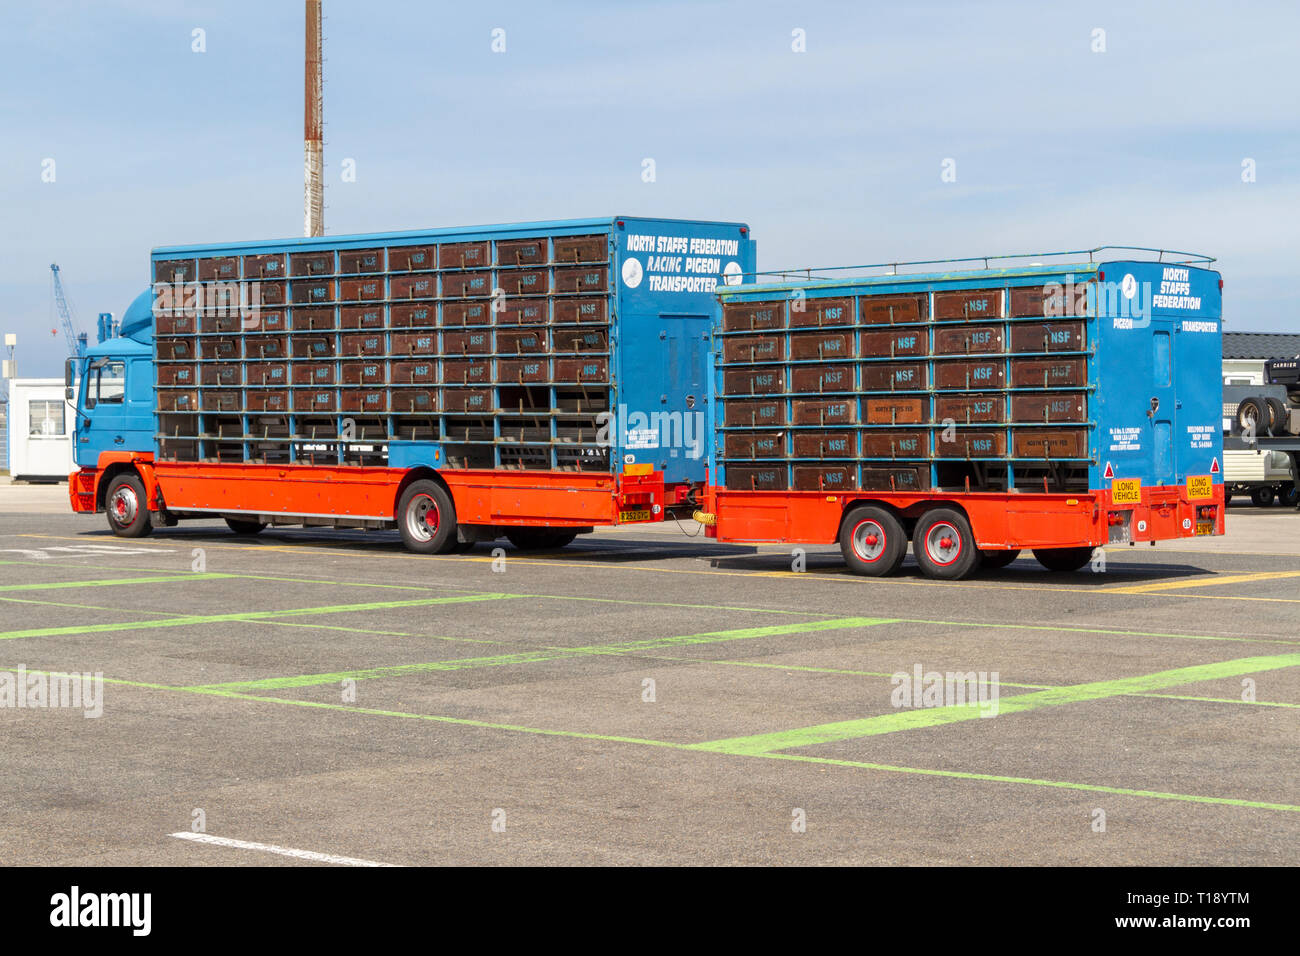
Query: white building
[
  {"x": 40, "y": 430},
  {"x": 1244, "y": 354}
]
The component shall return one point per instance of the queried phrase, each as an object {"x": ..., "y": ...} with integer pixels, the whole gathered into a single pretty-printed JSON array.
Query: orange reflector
[{"x": 638, "y": 469}]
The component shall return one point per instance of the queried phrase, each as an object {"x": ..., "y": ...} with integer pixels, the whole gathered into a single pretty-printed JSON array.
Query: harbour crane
[{"x": 76, "y": 340}]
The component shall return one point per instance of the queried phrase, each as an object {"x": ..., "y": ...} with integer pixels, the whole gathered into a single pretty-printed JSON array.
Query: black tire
[
  {"x": 1289, "y": 496},
  {"x": 874, "y": 558},
  {"x": 128, "y": 512},
  {"x": 998, "y": 559},
  {"x": 1253, "y": 413},
  {"x": 245, "y": 527},
  {"x": 1063, "y": 559},
  {"x": 944, "y": 545},
  {"x": 1262, "y": 497},
  {"x": 426, "y": 518},
  {"x": 1279, "y": 417},
  {"x": 540, "y": 539}
]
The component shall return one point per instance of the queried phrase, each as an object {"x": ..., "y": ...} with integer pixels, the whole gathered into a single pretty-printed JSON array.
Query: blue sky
[{"x": 833, "y": 155}]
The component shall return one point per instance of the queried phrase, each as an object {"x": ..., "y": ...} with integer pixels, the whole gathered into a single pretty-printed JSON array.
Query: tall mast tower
[{"x": 313, "y": 141}]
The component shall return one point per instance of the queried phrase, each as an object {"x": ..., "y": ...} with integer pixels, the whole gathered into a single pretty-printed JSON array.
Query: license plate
[
  {"x": 1200, "y": 486},
  {"x": 1205, "y": 527},
  {"x": 624, "y": 516},
  {"x": 1127, "y": 491}
]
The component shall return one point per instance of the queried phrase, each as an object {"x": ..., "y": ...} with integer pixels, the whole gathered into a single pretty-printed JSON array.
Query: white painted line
[{"x": 282, "y": 850}]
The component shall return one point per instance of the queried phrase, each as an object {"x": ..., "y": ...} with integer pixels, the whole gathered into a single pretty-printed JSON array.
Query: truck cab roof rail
[{"x": 1011, "y": 260}]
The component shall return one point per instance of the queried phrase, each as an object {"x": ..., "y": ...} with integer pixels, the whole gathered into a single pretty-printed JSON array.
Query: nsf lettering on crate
[
  {"x": 971, "y": 412},
  {"x": 532, "y": 381}
]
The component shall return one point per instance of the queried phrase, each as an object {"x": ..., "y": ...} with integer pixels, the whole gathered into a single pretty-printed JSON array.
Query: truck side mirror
[{"x": 69, "y": 377}]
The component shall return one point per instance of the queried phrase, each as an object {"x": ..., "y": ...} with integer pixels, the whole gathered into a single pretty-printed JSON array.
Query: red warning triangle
[
  {"x": 1109, "y": 472},
  {"x": 1214, "y": 467}
]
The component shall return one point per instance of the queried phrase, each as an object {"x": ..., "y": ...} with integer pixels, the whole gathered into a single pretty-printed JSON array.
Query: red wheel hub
[
  {"x": 872, "y": 540},
  {"x": 945, "y": 542}
]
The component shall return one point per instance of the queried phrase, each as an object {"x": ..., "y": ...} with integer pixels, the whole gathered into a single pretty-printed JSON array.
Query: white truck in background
[{"x": 1261, "y": 447}]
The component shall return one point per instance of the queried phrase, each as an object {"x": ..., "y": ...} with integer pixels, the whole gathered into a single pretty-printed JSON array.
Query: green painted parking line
[
  {"x": 1035, "y": 782},
  {"x": 86, "y": 607},
  {"x": 689, "y": 607},
  {"x": 1222, "y": 700},
  {"x": 249, "y": 616},
  {"x": 545, "y": 654},
  {"x": 317, "y": 626},
  {"x": 1001, "y": 683},
  {"x": 758, "y": 744},
  {"x": 111, "y": 582},
  {"x": 670, "y": 745},
  {"x": 1101, "y": 630},
  {"x": 828, "y": 670}
]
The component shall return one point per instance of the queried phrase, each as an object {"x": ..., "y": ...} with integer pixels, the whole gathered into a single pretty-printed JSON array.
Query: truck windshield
[{"x": 107, "y": 384}]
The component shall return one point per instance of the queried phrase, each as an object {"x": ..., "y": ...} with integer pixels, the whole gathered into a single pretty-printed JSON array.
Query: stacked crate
[
  {"x": 498, "y": 348},
  {"x": 885, "y": 391}
]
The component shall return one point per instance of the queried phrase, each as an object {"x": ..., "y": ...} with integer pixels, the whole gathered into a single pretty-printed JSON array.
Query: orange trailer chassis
[
  {"x": 999, "y": 521},
  {"x": 369, "y": 496}
]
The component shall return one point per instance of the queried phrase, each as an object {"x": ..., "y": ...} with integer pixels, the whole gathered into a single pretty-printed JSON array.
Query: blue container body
[
  {"x": 660, "y": 284},
  {"x": 1152, "y": 349}
]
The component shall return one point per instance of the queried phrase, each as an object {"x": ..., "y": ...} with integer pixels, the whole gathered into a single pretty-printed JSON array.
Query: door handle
[{"x": 118, "y": 440}]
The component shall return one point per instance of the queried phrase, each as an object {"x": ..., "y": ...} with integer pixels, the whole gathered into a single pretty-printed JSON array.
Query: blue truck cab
[{"x": 114, "y": 388}]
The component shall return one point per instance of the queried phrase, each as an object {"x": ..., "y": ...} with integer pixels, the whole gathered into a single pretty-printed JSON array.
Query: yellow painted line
[{"x": 1155, "y": 586}]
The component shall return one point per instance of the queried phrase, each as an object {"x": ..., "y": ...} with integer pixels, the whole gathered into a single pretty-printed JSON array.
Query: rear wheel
[
  {"x": 540, "y": 539},
  {"x": 998, "y": 559},
  {"x": 1063, "y": 559},
  {"x": 1252, "y": 416},
  {"x": 1279, "y": 417},
  {"x": 944, "y": 545},
  {"x": 1262, "y": 497},
  {"x": 426, "y": 518},
  {"x": 128, "y": 515},
  {"x": 245, "y": 527},
  {"x": 872, "y": 541},
  {"x": 1289, "y": 496}
]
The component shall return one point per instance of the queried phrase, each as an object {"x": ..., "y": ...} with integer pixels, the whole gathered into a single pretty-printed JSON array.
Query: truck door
[
  {"x": 663, "y": 390},
  {"x": 1164, "y": 410},
  {"x": 686, "y": 348},
  {"x": 117, "y": 405}
]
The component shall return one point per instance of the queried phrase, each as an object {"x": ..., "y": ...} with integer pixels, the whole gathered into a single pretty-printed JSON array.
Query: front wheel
[
  {"x": 872, "y": 541},
  {"x": 128, "y": 515},
  {"x": 944, "y": 545},
  {"x": 1261, "y": 497},
  {"x": 426, "y": 518},
  {"x": 1063, "y": 559}
]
